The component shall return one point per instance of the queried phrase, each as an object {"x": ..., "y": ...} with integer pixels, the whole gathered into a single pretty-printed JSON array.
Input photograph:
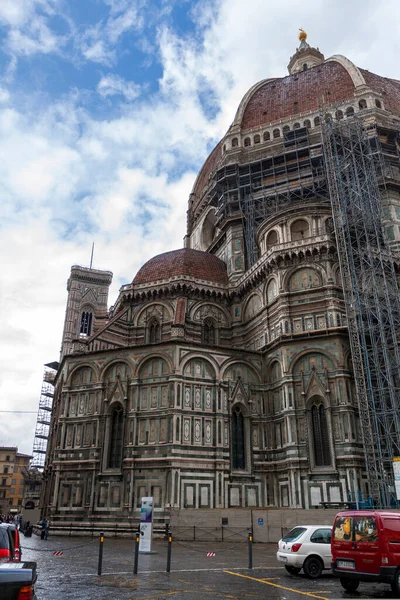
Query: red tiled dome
[
  {"x": 184, "y": 262},
  {"x": 308, "y": 90}
]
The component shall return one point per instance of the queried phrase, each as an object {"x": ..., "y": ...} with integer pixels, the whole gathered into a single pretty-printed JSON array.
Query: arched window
[
  {"x": 317, "y": 121},
  {"x": 322, "y": 453},
  {"x": 247, "y": 141},
  {"x": 349, "y": 111},
  {"x": 86, "y": 323},
  {"x": 257, "y": 139},
  {"x": 154, "y": 332},
  {"x": 235, "y": 142},
  {"x": 296, "y": 126},
  {"x": 362, "y": 104},
  {"x": 238, "y": 441},
  {"x": 305, "y": 67},
  {"x": 276, "y": 133},
  {"x": 116, "y": 437},
  {"x": 272, "y": 239},
  {"x": 285, "y": 129},
  {"x": 300, "y": 229},
  {"x": 266, "y": 136},
  {"x": 208, "y": 333},
  {"x": 307, "y": 123},
  {"x": 339, "y": 115},
  {"x": 378, "y": 103}
]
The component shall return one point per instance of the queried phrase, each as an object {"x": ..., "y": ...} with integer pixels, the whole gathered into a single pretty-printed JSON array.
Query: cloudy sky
[{"x": 108, "y": 108}]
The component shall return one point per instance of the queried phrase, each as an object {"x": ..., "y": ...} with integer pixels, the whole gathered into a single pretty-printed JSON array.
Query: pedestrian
[{"x": 45, "y": 531}]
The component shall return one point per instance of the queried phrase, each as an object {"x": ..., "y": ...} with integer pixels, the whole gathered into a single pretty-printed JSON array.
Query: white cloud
[{"x": 111, "y": 85}]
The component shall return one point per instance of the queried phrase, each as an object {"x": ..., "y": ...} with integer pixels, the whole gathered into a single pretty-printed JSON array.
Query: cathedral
[{"x": 222, "y": 375}]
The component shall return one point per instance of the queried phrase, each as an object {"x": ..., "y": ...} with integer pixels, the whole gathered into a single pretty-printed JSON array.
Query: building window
[
  {"x": 300, "y": 229},
  {"x": 208, "y": 333},
  {"x": 235, "y": 142},
  {"x": 285, "y": 129},
  {"x": 378, "y": 104},
  {"x": 257, "y": 139},
  {"x": 322, "y": 454},
  {"x": 349, "y": 111},
  {"x": 116, "y": 435},
  {"x": 266, "y": 136},
  {"x": 154, "y": 332},
  {"x": 86, "y": 323},
  {"x": 4, "y": 481},
  {"x": 362, "y": 104},
  {"x": 238, "y": 440},
  {"x": 272, "y": 239},
  {"x": 276, "y": 133},
  {"x": 317, "y": 121},
  {"x": 296, "y": 126},
  {"x": 5, "y": 470},
  {"x": 339, "y": 115},
  {"x": 247, "y": 141},
  {"x": 307, "y": 123},
  {"x": 7, "y": 458}
]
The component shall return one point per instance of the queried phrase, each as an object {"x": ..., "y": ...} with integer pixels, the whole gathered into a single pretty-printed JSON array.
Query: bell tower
[{"x": 86, "y": 304}]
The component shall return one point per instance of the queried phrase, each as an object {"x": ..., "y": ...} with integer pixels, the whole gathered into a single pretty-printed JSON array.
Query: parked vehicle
[
  {"x": 9, "y": 550},
  {"x": 366, "y": 547},
  {"x": 306, "y": 547},
  {"x": 17, "y": 581}
]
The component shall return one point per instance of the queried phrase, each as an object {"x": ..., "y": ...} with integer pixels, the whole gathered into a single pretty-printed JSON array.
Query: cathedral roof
[
  {"x": 328, "y": 82},
  {"x": 186, "y": 262}
]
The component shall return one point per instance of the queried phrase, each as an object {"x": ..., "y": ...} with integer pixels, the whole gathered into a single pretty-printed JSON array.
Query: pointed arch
[
  {"x": 153, "y": 331},
  {"x": 209, "y": 332},
  {"x": 321, "y": 446},
  {"x": 116, "y": 430}
]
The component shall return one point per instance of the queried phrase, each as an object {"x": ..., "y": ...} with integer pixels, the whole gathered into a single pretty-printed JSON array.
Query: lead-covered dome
[{"x": 185, "y": 263}]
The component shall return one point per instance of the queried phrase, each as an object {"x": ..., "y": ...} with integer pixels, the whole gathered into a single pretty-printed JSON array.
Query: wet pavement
[{"x": 194, "y": 575}]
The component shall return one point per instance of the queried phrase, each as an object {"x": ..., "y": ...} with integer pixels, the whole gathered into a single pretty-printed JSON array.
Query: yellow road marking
[
  {"x": 282, "y": 587},
  {"x": 157, "y": 596}
]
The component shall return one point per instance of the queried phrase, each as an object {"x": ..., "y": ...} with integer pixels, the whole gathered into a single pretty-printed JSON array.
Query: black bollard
[
  {"x": 137, "y": 541},
  {"x": 169, "y": 550},
  {"x": 250, "y": 549},
  {"x": 100, "y": 554}
]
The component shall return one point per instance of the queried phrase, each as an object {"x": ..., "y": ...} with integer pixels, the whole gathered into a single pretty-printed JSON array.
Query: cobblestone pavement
[{"x": 193, "y": 576}]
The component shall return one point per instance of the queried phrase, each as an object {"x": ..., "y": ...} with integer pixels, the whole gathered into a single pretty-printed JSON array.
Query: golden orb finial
[{"x": 302, "y": 35}]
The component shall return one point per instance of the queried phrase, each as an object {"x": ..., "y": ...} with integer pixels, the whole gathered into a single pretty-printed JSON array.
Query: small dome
[{"x": 185, "y": 262}]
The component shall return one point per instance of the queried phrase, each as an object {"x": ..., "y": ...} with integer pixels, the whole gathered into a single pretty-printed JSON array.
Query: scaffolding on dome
[
  {"x": 361, "y": 163},
  {"x": 264, "y": 184},
  {"x": 44, "y": 416}
]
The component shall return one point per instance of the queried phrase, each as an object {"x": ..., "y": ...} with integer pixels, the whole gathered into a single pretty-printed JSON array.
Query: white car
[{"x": 306, "y": 547}]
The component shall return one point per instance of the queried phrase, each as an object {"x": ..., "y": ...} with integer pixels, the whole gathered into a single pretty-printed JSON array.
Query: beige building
[
  {"x": 222, "y": 376},
  {"x": 14, "y": 468}
]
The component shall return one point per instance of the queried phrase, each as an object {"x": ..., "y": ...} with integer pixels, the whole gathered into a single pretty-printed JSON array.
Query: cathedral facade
[{"x": 222, "y": 376}]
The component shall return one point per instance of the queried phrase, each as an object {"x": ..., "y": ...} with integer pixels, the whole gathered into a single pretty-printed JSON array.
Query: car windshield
[{"x": 294, "y": 534}]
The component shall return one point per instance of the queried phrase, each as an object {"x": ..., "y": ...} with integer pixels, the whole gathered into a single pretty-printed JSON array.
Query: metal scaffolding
[
  {"x": 260, "y": 187},
  {"x": 357, "y": 169},
  {"x": 44, "y": 416}
]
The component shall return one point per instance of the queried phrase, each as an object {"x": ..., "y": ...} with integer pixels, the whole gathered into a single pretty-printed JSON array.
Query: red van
[{"x": 366, "y": 547}]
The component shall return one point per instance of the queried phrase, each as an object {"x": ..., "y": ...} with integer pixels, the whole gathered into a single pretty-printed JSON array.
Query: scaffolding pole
[{"x": 353, "y": 162}]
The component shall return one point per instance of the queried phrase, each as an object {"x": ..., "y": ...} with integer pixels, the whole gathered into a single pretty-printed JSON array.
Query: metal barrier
[{"x": 210, "y": 534}]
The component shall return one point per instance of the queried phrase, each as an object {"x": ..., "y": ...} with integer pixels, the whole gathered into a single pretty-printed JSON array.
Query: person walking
[{"x": 45, "y": 529}]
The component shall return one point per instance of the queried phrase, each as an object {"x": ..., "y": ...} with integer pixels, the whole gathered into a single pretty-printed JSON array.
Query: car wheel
[
  {"x": 292, "y": 570},
  {"x": 350, "y": 585},
  {"x": 313, "y": 567},
  {"x": 395, "y": 585}
]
